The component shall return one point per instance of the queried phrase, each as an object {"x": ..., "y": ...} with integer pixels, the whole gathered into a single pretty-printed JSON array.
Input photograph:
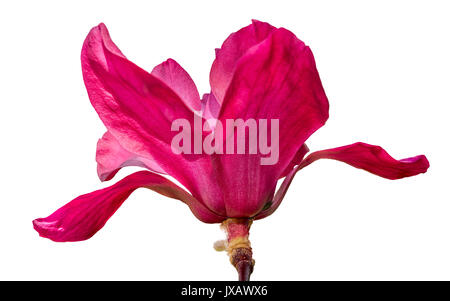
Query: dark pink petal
[
  {"x": 174, "y": 76},
  {"x": 371, "y": 158},
  {"x": 276, "y": 79},
  {"x": 233, "y": 48},
  {"x": 111, "y": 157},
  {"x": 81, "y": 218},
  {"x": 138, "y": 109}
]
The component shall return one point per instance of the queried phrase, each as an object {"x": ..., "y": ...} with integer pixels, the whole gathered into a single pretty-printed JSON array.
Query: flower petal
[
  {"x": 174, "y": 76},
  {"x": 233, "y": 48},
  {"x": 210, "y": 109},
  {"x": 138, "y": 109},
  {"x": 210, "y": 106},
  {"x": 111, "y": 157},
  {"x": 275, "y": 80},
  {"x": 297, "y": 160},
  {"x": 81, "y": 218},
  {"x": 371, "y": 158}
]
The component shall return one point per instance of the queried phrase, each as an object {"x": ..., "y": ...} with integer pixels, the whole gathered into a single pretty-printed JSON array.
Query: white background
[{"x": 385, "y": 69}]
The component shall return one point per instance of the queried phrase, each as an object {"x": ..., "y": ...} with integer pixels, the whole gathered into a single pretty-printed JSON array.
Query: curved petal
[
  {"x": 111, "y": 157},
  {"x": 138, "y": 109},
  {"x": 371, "y": 158},
  {"x": 81, "y": 218},
  {"x": 174, "y": 76},
  {"x": 276, "y": 80},
  {"x": 233, "y": 48}
]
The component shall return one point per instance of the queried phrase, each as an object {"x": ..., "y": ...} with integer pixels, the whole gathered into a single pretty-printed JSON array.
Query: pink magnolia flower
[{"x": 260, "y": 72}]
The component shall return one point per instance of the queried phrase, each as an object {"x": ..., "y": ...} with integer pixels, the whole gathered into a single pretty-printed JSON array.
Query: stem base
[{"x": 238, "y": 246}]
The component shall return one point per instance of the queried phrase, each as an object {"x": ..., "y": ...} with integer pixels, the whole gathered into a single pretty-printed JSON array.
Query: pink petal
[
  {"x": 233, "y": 48},
  {"x": 276, "y": 79},
  {"x": 174, "y": 76},
  {"x": 111, "y": 157},
  {"x": 210, "y": 106},
  {"x": 371, "y": 158},
  {"x": 81, "y": 218},
  {"x": 138, "y": 109}
]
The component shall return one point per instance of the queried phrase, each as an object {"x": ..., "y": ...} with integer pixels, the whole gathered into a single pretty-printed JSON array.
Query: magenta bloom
[{"x": 260, "y": 72}]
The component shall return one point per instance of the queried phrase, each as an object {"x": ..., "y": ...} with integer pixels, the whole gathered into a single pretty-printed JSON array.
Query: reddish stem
[{"x": 245, "y": 269}]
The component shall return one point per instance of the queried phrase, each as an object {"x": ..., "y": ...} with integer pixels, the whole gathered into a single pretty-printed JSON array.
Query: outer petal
[
  {"x": 81, "y": 218},
  {"x": 174, "y": 76},
  {"x": 111, "y": 157},
  {"x": 138, "y": 110},
  {"x": 136, "y": 107},
  {"x": 233, "y": 48},
  {"x": 371, "y": 158},
  {"x": 276, "y": 79}
]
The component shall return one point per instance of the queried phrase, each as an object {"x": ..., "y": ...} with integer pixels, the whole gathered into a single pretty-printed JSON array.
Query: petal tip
[
  {"x": 425, "y": 164},
  {"x": 36, "y": 224},
  {"x": 42, "y": 228}
]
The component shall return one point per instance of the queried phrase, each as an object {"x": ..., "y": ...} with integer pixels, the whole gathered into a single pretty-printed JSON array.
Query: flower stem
[
  {"x": 238, "y": 246},
  {"x": 245, "y": 269}
]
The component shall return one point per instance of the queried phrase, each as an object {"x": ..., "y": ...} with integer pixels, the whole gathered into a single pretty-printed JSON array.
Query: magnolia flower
[{"x": 260, "y": 72}]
